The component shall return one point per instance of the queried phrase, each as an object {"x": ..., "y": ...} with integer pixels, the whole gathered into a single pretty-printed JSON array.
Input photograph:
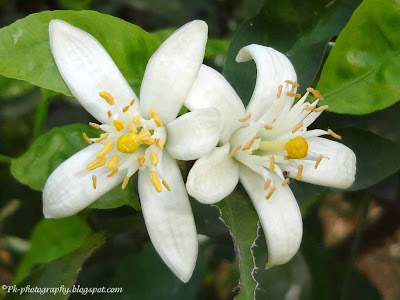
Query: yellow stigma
[
  {"x": 128, "y": 143},
  {"x": 297, "y": 147},
  {"x": 118, "y": 125}
]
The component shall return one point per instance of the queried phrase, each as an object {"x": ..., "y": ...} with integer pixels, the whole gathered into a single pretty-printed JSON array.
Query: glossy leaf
[
  {"x": 361, "y": 74},
  {"x": 25, "y": 43},
  {"x": 51, "y": 239}
]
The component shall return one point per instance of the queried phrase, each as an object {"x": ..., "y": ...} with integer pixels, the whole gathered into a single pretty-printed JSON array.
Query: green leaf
[
  {"x": 25, "y": 50},
  {"x": 241, "y": 218},
  {"x": 50, "y": 150},
  {"x": 60, "y": 272},
  {"x": 11, "y": 88},
  {"x": 51, "y": 239},
  {"x": 377, "y": 157},
  {"x": 299, "y": 29},
  {"x": 361, "y": 73}
]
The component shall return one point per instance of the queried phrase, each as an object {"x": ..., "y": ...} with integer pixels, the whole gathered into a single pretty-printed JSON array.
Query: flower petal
[
  {"x": 337, "y": 170},
  {"x": 213, "y": 177},
  {"x": 194, "y": 134},
  {"x": 88, "y": 69},
  {"x": 172, "y": 70},
  {"x": 69, "y": 189},
  {"x": 211, "y": 89},
  {"x": 169, "y": 219},
  {"x": 279, "y": 215},
  {"x": 273, "y": 68}
]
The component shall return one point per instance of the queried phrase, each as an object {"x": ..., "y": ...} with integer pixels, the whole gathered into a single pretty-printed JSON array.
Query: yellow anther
[
  {"x": 118, "y": 125},
  {"x": 285, "y": 182},
  {"x": 97, "y": 163},
  {"x": 293, "y": 83},
  {"x": 138, "y": 120},
  {"x": 315, "y": 93},
  {"x": 297, "y": 127},
  {"x": 280, "y": 88},
  {"x": 102, "y": 138},
  {"x": 144, "y": 134},
  {"x": 154, "y": 158},
  {"x": 291, "y": 94},
  {"x": 286, "y": 157},
  {"x": 159, "y": 144},
  {"x": 272, "y": 163},
  {"x": 125, "y": 183},
  {"x": 299, "y": 172},
  {"x": 132, "y": 128},
  {"x": 106, "y": 149},
  {"x": 309, "y": 108},
  {"x": 335, "y": 135},
  {"x": 94, "y": 181},
  {"x": 248, "y": 116},
  {"x": 148, "y": 141},
  {"x": 166, "y": 185},
  {"x": 94, "y": 125},
  {"x": 250, "y": 143},
  {"x": 270, "y": 193},
  {"x": 156, "y": 117},
  {"x": 126, "y": 108},
  {"x": 267, "y": 183},
  {"x": 113, "y": 172},
  {"x": 141, "y": 159},
  {"x": 113, "y": 161},
  {"x": 319, "y": 159},
  {"x": 321, "y": 108},
  {"x": 109, "y": 113},
  {"x": 128, "y": 143},
  {"x": 132, "y": 102},
  {"x": 267, "y": 127},
  {"x": 155, "y": 180},
  {"x": 107, "y": 96},
  {"x": 87, "y": 138},
  {"x": 236, "y": 149},
  {"x": 297, "y": 147}
]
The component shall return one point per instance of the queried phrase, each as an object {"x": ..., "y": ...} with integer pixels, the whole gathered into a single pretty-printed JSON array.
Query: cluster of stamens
[{"x": 130, "y": 143}]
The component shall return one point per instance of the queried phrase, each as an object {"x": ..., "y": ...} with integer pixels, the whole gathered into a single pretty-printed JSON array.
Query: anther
[
  {"x": 245, "y": 118},
  {"x": 138, "y": 120},
  {"x": 97, "y": 163},
  {"x": 106, "y": 149},
  {"x": 87, "y": 138},
  {"x": 107, "y": 96},
  {"x": 109, "y": 113},
  {"x": 113, "y": 161},
  {"x": 119, "y": 125},
  {"x": 125, "y": 183},
  {"x": 126, "y": 108},
  {"x": 315, "y": 93},
  {"x": 113, "y": 172},
  {"x": 291, "y": 94},
  {"x": 154, "y": 158},
  {"x": 270, "y": 193},
  {"x": 94, "y": 181},
  {"x": 159, "y": 144},
  {"x": 309, "y": 108},
  {"x": 286, "y": 157},
  {"x": 272, "y": 163},
  {"x": 267, "y": 127},
  {"x": 155, "y": 180},
  {"x": 141, "y": 159},
  {"x": 321, "y": 108},
  {"x": 267, "y": 183},
  {"x": 280, "y": 88},
  {"x": 285, "y": 182},
  {"x": 297, "y": 127},
  {"x": 166, "y": 185},
  {"x": 102, "y": 138},
  {"x": 299, "y": 172},
  {"x": 335, "y": 135},
  {"x": 236, "y": 149},
  {"x": 132, "y": 128},
  {"x": 156, "y": 117},
  {"x": 132, "y": 102},
  {"x": 94, "y": 125},
  {"x": 250, "y": 143},
  {"x": 293, "y": 83},
  {"x": 319, "y": 159}
]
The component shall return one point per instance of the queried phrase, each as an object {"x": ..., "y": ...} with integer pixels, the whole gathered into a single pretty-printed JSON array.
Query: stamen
[
  {"x": 319, "y": 159},
  {"x": 141, "y": 159},
  {"x": 132, "y": 128},
  {"x": 159, "y": 144},
  {"x": 102, "y": 138},
  {"x": 299, "y": 172},
  {"x": 109, "y": 113},
  {"x": 137, "y": 120},
  {"x": 156, "y": 117},
  {"x": 125, "y": 183},
  {"x": 285, "y": 182},
  {"x": 267, "y": 127},
  {"x": 335, "y": 135},
  {"x": 154, "y": 158},
  {"x": 245, "y": 118},
  {"x": 166, "y": 185},
  {"x": 94, "y": 125},
  {"x": 87, "y": 138},
  {"x": 118, "y": 125},
  {"x": 309, "y": 108},
  {"x": 155, "y": 180},
  {"x": 293, "y": 83},
  {"x": 286, "y": 157},
  {"x": 321, "y": 108},
  {"x": 236, "y": 149},
  {"x": 297, "y": 127},
  {"x": 97, "y": 163},
  {"x": 132, "y": 102},
  {"x": 272, "y": 163},
  {"x": 113, "y": 161},
  {"x": 94, "y": 181},
  {"x": 270, "y": 193},
  {"x": 290, "y": 94},
  {"x": 106, "y": 149},
  {"x": 148, "y": 141},
  {"x": 315, "y": 93},
  {"x": 126, "y": 108},
  {"x": 113, "y": 172},
  {"x": 144, "y": 134},
  {"x": 280, "y": 88},
  {"x": 250, "y": 143},
  {"x": 107, "y": 96},
  {"x": 267, "y": 183}
]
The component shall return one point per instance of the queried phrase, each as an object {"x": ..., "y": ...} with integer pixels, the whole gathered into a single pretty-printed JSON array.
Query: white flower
[
  {"x": 139, "y": 135},
  {"x": 266, "y": 144}
]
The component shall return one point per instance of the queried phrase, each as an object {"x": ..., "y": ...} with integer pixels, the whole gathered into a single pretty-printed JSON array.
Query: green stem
[
  {"x": 5, "y": 159},
  {"x": 41, "y": 115}
]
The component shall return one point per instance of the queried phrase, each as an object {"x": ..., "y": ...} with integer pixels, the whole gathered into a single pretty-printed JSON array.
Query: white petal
[
  {"x": 280, "y": 216},
  {"x": 273, "y": 68},
  {"x": 169, "y": 219},
  {"x": 172, "y": 70},
  {"x": 213, "y": 177},
  {"x": 194, "y": 134},
  {"x": 337, "y": 171},
  {"x": 87, "y": 69},
  {"x": 69, "y": 189},
  {"x": 211, "y": 89}
]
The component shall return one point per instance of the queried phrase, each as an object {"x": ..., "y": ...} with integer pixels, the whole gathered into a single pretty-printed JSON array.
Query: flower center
[{"x": 128, "y": 143}]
